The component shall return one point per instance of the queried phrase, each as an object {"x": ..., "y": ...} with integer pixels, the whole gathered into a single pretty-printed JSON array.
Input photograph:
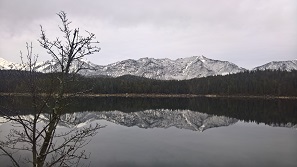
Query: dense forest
[{"x": 256, "y": 83}]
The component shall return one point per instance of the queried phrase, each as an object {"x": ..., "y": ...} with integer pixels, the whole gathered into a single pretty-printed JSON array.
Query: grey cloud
[{"x": 247, "y": 32}]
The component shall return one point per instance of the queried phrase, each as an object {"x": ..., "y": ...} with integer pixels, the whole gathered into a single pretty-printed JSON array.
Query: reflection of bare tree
[{"x": 30, "y": 134}]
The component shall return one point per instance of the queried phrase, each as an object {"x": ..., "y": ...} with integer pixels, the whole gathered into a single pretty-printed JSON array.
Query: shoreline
[{"x": 164, "y": 95}]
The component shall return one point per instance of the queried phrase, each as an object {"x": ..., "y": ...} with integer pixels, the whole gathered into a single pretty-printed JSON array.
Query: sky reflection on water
[{"x": 241, "y": 144}]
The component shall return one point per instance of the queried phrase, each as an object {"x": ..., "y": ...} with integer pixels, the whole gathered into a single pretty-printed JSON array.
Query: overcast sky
[{"x": 248, "y": 33}]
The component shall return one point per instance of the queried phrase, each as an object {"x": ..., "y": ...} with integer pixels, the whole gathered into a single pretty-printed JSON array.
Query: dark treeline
[{"x": 259, "y": 83}]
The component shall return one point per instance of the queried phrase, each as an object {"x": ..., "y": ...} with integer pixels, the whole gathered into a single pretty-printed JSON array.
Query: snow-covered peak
[
  {"x": 7, "y": 65},
  {"x": 279, "y": 65},
  {"x": 167, "y": 69},
  {"x": 202, "y": 58},
  {"x": 49, "y": 66},
  {"x": 163, "y": 69}
]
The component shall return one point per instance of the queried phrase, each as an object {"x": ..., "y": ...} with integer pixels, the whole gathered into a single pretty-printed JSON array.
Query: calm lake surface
[{"x": 183, "y": 131}]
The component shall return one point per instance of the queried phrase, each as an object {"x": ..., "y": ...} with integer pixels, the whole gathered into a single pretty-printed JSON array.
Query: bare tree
[{"x": 37, "y": 132}]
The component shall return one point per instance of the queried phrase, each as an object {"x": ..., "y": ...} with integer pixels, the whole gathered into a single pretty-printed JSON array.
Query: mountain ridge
[
  {"x": 279, "y": 65},
  {"x": 161, "y": 69}
]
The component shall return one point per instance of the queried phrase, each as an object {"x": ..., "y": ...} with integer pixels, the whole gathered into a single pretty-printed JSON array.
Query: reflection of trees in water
[{"x": 258, "y": 110}]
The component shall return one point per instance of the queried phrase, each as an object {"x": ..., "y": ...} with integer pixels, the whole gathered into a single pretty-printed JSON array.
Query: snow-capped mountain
[
  {"x": 7, "y": 65},
  {"x": 48, "y": 66},
  {"x": 279, "y": 65},
  {"x": 167, "y": 69},
  {"x": 163, "y": 69}
]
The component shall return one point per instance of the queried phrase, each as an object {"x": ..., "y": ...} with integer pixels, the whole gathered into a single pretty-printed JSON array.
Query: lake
[{"x": 182, "y": 131}]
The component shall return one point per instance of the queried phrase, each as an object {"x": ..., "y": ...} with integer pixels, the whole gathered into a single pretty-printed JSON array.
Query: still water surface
[{"x": 186, "y": 132}]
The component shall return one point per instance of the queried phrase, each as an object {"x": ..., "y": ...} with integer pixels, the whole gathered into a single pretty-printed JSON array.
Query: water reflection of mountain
[
  {"x": 158, "y": 118},
  {"x": 161, "y": 118},
  {"x": 271, "y": 112}
]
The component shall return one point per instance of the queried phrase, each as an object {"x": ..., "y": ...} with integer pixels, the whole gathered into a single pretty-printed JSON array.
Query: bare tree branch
[{"x": 36, "y": 133}]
